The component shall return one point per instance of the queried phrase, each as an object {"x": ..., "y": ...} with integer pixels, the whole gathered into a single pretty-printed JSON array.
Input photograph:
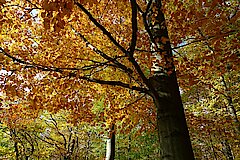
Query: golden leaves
[
  {"x": 89, "y": 2},
  {"x": 55, "y": 12},
  {"x": 59, "y": 47},
  {"x": 46, "y": 23}
]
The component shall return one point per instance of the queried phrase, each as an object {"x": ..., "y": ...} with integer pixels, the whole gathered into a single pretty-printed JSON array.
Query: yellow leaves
[
  {"x": 57, "y": 90},
  {"x": 90, "y": 2},
  {"x": 54, "y": 13}
]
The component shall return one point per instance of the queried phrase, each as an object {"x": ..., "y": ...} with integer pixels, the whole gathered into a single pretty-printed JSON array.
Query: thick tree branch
[
  {"x": 134, "y": 27},
  {"x": 114, "y": 83},
  {"x": 60, "y": 70},
  {"x": 145, "y": 21}
]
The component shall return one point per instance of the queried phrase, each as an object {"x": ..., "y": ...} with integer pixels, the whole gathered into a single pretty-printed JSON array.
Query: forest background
[{"x": 79, "y": 76}]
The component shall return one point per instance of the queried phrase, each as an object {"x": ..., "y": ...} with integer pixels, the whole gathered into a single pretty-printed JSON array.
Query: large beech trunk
[{"x": 172, "y": 128}]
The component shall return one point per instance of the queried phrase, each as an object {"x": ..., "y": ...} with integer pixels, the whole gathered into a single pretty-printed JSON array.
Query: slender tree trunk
[
  {"x": 173, "y": 133},
  {"x": 16, "y": 150},
  {"x": 110, "y": 151}
]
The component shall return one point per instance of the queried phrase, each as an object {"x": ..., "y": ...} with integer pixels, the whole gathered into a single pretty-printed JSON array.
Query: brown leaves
[
  {"x": 55, "y": 14},
  {"x": 2, "y": 2}
]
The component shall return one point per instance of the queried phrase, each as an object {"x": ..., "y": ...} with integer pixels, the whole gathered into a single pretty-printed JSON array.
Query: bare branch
[{"x": 61, "y": 134}]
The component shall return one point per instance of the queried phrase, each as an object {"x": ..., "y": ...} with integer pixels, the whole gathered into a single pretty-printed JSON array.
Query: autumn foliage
[{"x": 94, "y": 59}]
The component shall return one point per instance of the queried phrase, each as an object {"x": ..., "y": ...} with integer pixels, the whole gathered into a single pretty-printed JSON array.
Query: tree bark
[
  {"x": 173, "y": 133},
  {"x": 171, "y": 123},
  {"x": 110, "y": 151}
]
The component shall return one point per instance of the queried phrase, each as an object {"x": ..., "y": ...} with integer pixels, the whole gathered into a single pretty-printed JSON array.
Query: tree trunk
[
  {"x": 172, "y": 128},
  {"x": 110, "y": 151}
]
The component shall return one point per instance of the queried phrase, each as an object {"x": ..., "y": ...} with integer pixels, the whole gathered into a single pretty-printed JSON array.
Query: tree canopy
[{"x": 97, "y": 60}]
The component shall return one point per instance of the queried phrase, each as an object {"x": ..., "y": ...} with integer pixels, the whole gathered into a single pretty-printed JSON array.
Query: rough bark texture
[{"x": 174, "y": 137}]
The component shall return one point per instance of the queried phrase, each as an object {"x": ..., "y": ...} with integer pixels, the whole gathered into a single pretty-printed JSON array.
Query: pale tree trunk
[
  {"x": 110, "y": 147},
  {"x": 172, "y": 128}
]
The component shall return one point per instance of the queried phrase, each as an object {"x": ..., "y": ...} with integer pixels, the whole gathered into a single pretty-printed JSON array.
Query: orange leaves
[
  {"x": 58, "y": 11},
  {"x": 90, "y": 2},
  {"x": 46, "y": 23},
  {"x": 59, "y": 5},
  {"x": 59, "y": 25},
  {"x": 52, "y": 6},
  {"x": 164, "y": 40},
  {"x": 2, "y": 2},
  {"x": 212, "y": 17},
  {"x": 16, "y": 115},
  {"x": 55, "y": 12}
]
